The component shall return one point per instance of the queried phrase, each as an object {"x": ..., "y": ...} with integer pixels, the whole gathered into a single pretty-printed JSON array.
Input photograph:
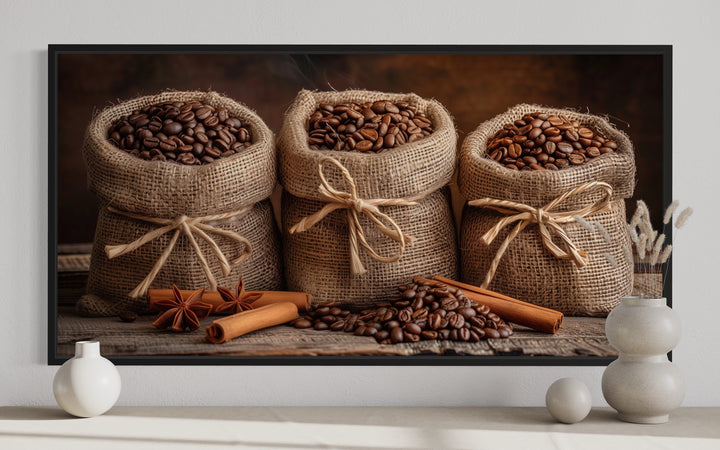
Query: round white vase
[
  {"x": 642, "y": 385},
  {"x": 87, "y": 385}
]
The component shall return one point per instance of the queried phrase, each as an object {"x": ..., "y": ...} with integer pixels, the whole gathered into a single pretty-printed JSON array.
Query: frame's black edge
[
  {"x": 54, "y": 50},
  {"x": 667, "y": 167},
  {"x": 52, "y": 205},
  {"x": 667, "y": 159},
  {"x": 417, "y": 360},
  {"x": 358, "y": 49}
]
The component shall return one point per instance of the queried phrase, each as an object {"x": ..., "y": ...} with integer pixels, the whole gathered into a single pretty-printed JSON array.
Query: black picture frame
[{"x": 54, "y": 51}]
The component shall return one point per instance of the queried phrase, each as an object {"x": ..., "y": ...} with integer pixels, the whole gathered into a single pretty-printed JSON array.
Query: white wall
[{"x": 26, "y": 28}]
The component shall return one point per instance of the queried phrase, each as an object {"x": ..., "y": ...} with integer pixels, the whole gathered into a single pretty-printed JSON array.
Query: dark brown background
[{"x": 473, "y": 88}]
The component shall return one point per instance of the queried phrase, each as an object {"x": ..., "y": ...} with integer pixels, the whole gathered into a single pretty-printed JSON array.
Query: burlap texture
[
  {"x": 413, "y": 169},
  {"x": 166, "y": 191},
  {"x": 527, "y": 270},
  {"x": 318, "y": 260},
  {"x": 110, "y": 280}
]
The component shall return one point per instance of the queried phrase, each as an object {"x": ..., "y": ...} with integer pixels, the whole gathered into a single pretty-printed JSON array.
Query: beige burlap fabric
[
  {"x": 318, "y": 260},
  {"x": 527, "y": 270},
  {"x": 162, "y": 190}
]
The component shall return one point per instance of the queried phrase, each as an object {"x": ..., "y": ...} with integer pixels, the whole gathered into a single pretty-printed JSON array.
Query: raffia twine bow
[
  {"x": 355, "y": 206},
  {"x": 189, "y": 226},
  {"x": 548, "y": 222}
]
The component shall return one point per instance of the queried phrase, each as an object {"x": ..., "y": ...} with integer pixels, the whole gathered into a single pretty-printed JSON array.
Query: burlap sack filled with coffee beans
[
  {"x": 318, "y": 260},
  {"x": 528, "y": 270},
  {"x": 138, "y": 197}
]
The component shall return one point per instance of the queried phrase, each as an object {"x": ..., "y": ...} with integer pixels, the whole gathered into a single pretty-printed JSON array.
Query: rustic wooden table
[{"x": 578, "y": 336}]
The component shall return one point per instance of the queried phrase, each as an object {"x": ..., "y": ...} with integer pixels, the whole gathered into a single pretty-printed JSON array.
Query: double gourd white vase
[
  {"x": 642, "y": 384},
  {"x": 87, "y": 385}
]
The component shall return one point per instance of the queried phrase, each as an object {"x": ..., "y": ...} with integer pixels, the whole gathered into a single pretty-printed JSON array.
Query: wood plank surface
[{"x": 578, "y": 336}]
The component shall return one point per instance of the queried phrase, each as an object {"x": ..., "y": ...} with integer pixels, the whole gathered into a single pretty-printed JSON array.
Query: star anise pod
[
  {"x": 180, "y": 314},
  {"x": 238, "y": 302}
]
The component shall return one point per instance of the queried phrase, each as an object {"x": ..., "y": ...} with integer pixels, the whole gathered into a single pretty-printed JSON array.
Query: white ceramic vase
[
  {"x": 88, "y": 384},
  {"x": 642, "y": 384}
]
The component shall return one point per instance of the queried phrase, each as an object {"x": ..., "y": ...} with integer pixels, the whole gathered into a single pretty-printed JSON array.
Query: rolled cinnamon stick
[
  {"x": 526, "y": 314},
  {"x": 229, "y": 327},
  {"x": 299, "y": 299}
]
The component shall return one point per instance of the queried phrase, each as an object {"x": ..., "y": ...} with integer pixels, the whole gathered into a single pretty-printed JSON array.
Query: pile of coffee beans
[
  {"x": 541, "y": 141},
  {"x": 421, "y": 312},
  {"x": 189, "y": 133},
  {"x": 371, "y": 126}
]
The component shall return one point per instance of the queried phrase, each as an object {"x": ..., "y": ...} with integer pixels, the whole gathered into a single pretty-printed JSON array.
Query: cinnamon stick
[
  {"x": 299, "y": 299},
  {"x": 229, "y": 327},
  {"x": 526, "y": 314}
]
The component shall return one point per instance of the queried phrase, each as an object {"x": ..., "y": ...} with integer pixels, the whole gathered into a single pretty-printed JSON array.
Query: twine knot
[
  {"x": 337, "y": 199},
  {"x": 359, "y": 205},
  {"x": 548, "y": 221},
  {"x": 190, "y": 226}
]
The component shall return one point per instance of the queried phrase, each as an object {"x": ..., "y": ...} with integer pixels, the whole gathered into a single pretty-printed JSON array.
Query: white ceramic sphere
[
  {"x": 568, "y": 400},
  {"x": 643, "y": 326},
  {"x": 87, "y": 385}
]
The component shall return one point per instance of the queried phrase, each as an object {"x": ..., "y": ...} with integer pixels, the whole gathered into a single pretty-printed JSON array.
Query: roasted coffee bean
[
  {"x": 402, "y": 320},
  {"x": 389, "y": 314},
  {"x": 429, "y": 334},
  {"x": 592, "y": 152},
  {"x": 467, "y": 312},
  {"x": 478, "y": 330},
  {"x": 396, "y": 335},
  {"x": 372, "y": 126},
  {"x": 382, "y": 335},
  {"x": 463, "y": 334},
  {"x": 328, "y": 318},
  {"x": 370, "y": 331},
  {"x": 417, "y": 303},
  {"x": 531, "y": 142},
  {"x": 181, "y": 127},
  {"x": 456, "y": 321},
  {"x": 435, "y": 320},
  {"x": 168, "y": 146},
  {"x": 409, "y": 337},
  {"x": 128, "y": 316},
  {"x": 320, "y": 326},
  {"x": 576, "y": 159},
  {"x": 491, "y": 333},
  {"x": 350, "y": 322},
  {"x": 449, "y": 303},
  {"x": 420, "y": 314},
  {"x": 151, "y": 142},
  {"x": 405, "y": 314},
  {"x": 303, "y": 323},
  {"x": 172, "y": 128},
  {"x": 565, "y": 147},
  {"x": 412, "y": 328}
]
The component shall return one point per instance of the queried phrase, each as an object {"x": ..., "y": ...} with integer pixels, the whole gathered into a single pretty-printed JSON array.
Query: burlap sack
[
  {"x": 318, "y": 260},
  {"x": 527, "y": 270},
  {"x": 132, "y": 190}
]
